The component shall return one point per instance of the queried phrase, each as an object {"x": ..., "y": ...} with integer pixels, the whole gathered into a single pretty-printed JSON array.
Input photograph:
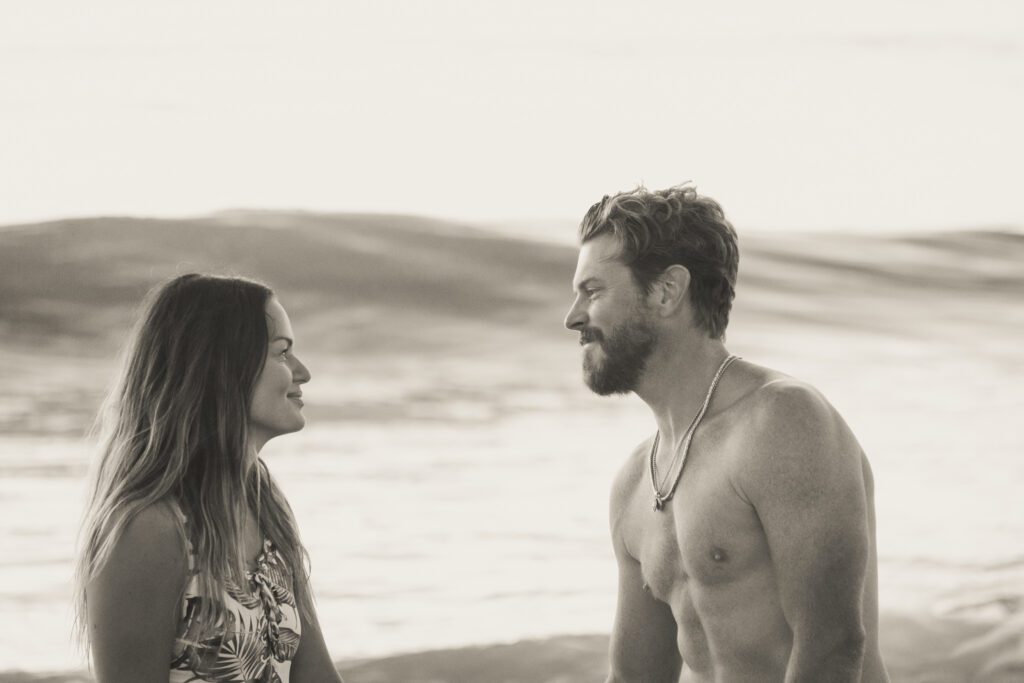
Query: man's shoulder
[
  {"x": 786, "y": 429},
  {"x": 776, "y": 406},
  {"x": 633, "y": 468},
  {"x": 630, "y": 475}
]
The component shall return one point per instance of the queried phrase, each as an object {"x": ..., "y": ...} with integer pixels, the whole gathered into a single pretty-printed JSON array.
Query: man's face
[{"x": 610, "y": 314}]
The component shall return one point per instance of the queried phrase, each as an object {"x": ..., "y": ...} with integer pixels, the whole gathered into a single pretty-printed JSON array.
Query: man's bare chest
[{"x": 706, "y": 536}]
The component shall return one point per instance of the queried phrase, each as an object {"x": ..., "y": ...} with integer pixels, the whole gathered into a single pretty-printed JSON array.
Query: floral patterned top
[{"x": 259, "y": 636}]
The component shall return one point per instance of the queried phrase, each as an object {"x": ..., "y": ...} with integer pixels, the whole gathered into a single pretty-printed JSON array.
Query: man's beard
[{"x": 626, "y": 350}]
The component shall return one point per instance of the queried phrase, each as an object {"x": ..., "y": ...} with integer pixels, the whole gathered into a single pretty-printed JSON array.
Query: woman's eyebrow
[{"x": 287, "y": 339}]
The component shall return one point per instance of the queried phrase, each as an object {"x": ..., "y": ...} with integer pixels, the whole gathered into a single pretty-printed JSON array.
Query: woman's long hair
[{"x": 175, "y": 428}]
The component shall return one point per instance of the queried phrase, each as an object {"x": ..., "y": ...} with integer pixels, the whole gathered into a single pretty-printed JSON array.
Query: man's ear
[{"x": 670, "y": 290}]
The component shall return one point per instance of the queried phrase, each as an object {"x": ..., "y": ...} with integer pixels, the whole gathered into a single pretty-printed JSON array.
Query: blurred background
[{"x": 408, "y": 176}]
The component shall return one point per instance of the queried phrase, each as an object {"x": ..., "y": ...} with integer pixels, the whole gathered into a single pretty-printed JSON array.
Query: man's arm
[
  {"x": 807, "y": 486},
  {"x": 643, "y": 642}
]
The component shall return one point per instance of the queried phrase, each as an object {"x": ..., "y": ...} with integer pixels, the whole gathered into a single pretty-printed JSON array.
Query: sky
[{"x": 876, "y": 115}]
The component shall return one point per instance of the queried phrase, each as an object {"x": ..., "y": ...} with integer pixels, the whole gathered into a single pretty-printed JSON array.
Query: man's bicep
[
  {"x": 643, "y": 642},
  {"x": 812, "y": 503},
  {"x": 820, "y": 560}
]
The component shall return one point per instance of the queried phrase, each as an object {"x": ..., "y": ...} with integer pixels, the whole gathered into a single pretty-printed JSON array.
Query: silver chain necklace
[{"x": 684, "y": 449}]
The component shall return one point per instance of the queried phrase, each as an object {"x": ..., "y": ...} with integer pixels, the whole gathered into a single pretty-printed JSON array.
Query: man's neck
[{"x": 676, "y": 381}]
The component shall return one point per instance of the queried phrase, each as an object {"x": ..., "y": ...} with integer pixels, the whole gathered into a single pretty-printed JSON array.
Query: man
[{"x": 744, "y": 529}]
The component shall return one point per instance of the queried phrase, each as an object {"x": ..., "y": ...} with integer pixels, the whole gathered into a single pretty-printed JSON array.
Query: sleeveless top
[{"x": 259, "y": 635}]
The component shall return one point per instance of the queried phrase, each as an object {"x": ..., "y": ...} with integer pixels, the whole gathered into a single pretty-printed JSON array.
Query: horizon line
[{"x": 503, "y": 225}]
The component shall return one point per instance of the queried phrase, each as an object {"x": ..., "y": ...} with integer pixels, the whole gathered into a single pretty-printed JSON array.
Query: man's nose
[{"x": 576, "y": 318}]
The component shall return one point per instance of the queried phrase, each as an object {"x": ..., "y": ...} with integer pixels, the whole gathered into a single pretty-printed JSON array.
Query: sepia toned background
[{"x": 408, "y": 177}]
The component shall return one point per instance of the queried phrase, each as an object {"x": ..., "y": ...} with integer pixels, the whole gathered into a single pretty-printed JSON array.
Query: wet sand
[{"x": 581, "y": 659}]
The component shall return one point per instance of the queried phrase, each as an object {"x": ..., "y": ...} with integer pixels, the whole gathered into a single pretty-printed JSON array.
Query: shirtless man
[{"x": 746, "y": 553}]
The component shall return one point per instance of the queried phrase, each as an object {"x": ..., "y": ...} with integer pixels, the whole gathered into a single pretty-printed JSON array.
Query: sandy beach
[{"x": 581, "y": 659}]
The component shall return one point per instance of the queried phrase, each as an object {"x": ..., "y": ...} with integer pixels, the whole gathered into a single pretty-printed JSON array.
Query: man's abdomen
[{"x": 732, "y": 633}]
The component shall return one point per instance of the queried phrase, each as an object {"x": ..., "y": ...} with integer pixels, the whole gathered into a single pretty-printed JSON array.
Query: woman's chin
[{"x": 260, "y": 435}]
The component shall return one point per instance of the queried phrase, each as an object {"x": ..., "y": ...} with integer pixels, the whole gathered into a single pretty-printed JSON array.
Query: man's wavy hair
[{"x": 676, "y": 226}]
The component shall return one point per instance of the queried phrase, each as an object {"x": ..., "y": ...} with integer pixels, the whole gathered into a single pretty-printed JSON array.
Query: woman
[{"x": 191, "y": 567}]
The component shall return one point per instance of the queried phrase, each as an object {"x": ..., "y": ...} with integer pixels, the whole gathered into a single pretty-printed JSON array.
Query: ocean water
[{"x": 446, "y": 532}]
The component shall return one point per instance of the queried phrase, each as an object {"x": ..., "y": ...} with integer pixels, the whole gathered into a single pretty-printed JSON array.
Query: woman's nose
[{"x": 300, "y": 373}]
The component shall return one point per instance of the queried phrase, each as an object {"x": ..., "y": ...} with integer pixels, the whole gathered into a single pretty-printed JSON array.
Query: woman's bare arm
[{"x": 132, "y": 604}]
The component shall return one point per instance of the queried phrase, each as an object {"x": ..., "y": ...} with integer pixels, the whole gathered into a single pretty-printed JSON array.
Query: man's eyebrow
[{"x": 592, "y": 280}]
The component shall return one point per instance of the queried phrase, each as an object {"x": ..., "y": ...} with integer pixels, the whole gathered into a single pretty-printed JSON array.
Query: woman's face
[{"x": 277, "y": 399}]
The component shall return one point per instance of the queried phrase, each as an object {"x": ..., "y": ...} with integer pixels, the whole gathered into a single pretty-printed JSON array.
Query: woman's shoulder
[
  {"x": 152, "y": 541},
  {"x": 160, "y": 519}
]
